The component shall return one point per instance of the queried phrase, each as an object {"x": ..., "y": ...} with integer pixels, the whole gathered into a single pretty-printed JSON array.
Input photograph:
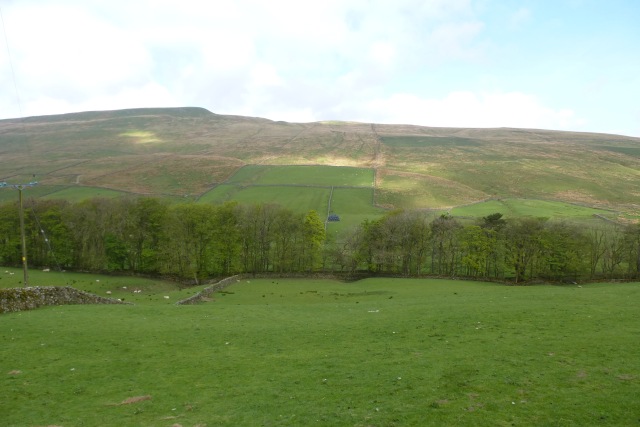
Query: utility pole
[{"x": 23, "y": 239}]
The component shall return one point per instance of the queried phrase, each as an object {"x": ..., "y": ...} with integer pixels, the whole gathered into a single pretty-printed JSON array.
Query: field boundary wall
[{"x": 20, "y": 299}]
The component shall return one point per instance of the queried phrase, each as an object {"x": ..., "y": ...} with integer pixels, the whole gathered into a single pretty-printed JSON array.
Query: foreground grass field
[{"x": 379, "y": 352}]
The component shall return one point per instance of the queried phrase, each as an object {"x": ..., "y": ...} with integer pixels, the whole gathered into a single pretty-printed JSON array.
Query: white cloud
[
  {"x": 519, "y": 18},
  {"x": 406, "y": 61},
  {"x": 148, "y": 95},
  {"x": 383, "y": 53},
  {"x": 455, "y": 41},
  {"x": 67, "y": 52},
  {"x": 469, "y": 109}
]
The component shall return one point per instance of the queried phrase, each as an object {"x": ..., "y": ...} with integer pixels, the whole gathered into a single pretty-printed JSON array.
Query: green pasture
[
  {"x": 72, "y": 194},
  {"x": 297, "y": 198},
  {"x": 8, "y": 194},
  {"x": 384, "y": 352},
  {"x": 151, "y": 291},
  {"x": 421, "y": 192},
  {"x": 353, "y": 206},
  {"x": 326, "y": 176},
  {"x": 513, "y": 208},
  {"x": 78, "y": 194},
  {"x": 303, "y": 188}
]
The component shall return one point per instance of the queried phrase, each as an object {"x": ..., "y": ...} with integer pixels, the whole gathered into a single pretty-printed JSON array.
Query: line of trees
[
  {"x": 194, "y": 241},
  {"x": 518, "y": 250},
  {"x": 148, "y": 236}
]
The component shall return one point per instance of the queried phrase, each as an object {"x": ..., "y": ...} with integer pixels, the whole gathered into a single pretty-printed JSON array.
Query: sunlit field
[{"x": 276, "y": 352}]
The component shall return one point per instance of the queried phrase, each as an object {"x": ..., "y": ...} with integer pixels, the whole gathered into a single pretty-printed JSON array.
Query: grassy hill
[{"x": 192, "y": 152}]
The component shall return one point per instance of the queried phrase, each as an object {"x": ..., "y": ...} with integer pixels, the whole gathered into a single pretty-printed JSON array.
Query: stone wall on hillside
[
  {"x": 206, "y": 293},
  {"x": 18, "y": 299}
]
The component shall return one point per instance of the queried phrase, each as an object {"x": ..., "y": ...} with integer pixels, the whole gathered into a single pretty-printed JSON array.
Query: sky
[{"x": 549, "y": 64}]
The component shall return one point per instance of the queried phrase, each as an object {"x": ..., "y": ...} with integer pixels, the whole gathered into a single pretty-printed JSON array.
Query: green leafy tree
[
  {"x": 524, "y": 243},
  {"x": 564, "y": 252},
  {"x": 148, "y": 216},
  {"x": 477, "y": 245},
  {"x": 257, "y": 228},
  {"x": 632, "y": 249},
  {"x": 188, "y": 241},
  {"x": 227, "y": 239},
  {"x": 313, "y": 236},
  {"x": 287, "y": 239},
  {"x": 444, "y": 244},
  {"x": 10, "y": 249}
]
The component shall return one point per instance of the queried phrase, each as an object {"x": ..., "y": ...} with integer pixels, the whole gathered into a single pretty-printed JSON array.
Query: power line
[
  {"x": 13, "y": 74},
  {"x": 23, "y": 239},
  {"x": 46, "y": 240},
  {"x": 19, "y": 187},
  {"x": 15, "y": 87}
]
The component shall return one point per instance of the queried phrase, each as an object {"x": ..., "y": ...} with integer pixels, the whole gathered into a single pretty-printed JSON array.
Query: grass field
[
  {"x": 303, "y": 188},
  {"x": 379, "y": 352},
  {"x": 78, "y": 194},
  {"x": 325, "y": 176},
  {"x": 513, "y": 208},
  {"x": 10, "y": 195},
  {"x": 298, "y": 199},
  {"x": 353, "y": 206}
]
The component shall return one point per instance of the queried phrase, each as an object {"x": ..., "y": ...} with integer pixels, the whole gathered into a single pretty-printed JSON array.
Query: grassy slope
[
  {"x": 188, "y": 151},
  {"x": 375, "y": 352}
]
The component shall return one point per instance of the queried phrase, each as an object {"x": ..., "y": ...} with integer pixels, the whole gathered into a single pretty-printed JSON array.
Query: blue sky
[{"x": 551, "y": 64}]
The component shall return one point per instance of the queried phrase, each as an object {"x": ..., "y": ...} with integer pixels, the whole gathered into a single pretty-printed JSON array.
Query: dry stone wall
[
  {"x": 206, "y": 293},
  {"x": 18, "y": 299}
]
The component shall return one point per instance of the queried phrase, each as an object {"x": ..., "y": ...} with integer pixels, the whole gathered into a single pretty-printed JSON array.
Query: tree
[
  {"x": 477, "y": 244},
  {"x": 188, "y": 241},
  {"x": 613, "y": 255},
  {"x": 257, "y": 231},
  {"x": 444, "y": 244},
  {"x": 494, "y": 222},
  {"x": 596, "y": 247},
  {"x": 404, "y": 238},
  {"x": 55, "y": 236},
  {"x": 287, "y": 231},
  {"x": 227, "y": 239},
  {"x": 10, "y": 251},
  {"x": 523, "y": 244},
  {"x": 313, "y": 236},
  {"x": 148, "y": 218},
  {"x": 89, "y": 222},
  {"x": 564, "y": 252},
  {"x": 632, "y": 245}
]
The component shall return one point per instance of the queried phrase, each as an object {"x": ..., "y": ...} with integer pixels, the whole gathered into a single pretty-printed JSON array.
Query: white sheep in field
[{"x": 108, "y": 292}]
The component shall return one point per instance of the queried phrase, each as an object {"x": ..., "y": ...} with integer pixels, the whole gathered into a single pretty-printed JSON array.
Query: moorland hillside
[{"x": 190, "y": 151}]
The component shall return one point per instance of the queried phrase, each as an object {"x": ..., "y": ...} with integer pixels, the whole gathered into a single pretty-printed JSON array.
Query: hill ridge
[{"x": 187, "y": 150}]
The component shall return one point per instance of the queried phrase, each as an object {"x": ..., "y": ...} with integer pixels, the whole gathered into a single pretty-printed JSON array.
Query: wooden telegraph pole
[{"x": 23, "y": 239}]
